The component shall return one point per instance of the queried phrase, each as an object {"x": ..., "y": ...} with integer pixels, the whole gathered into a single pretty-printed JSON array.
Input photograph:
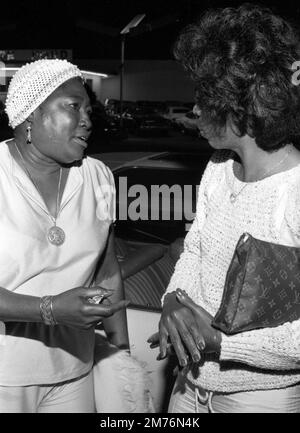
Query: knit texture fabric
[
  {"x": 268, "y": 209},
  {"x": 33, "y": 83}
]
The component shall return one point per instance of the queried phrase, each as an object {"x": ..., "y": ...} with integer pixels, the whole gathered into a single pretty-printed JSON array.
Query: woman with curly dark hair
[{"x": 243, "y": 63}]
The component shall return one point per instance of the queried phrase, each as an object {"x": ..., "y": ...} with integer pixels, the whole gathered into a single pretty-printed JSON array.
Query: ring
[{"x": 96, "y": 299}]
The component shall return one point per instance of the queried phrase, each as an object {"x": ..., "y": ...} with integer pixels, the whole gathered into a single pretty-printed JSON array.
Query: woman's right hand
[
  {"x": 178, "y": 326},
  {"x": 73, "y": 307}
]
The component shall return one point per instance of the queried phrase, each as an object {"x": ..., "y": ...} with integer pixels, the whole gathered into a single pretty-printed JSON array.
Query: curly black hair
[{"x": 241, "y": 61}]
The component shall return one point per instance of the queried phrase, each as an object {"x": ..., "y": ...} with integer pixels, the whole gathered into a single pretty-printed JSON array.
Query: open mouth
[{"x": 83, "y": 140}]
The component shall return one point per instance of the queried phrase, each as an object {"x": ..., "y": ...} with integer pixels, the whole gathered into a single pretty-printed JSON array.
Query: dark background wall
[{"x": 154, "y": 80}]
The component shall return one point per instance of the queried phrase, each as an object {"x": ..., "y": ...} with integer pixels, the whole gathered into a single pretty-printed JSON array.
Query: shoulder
[
  {"x": 221, "y": 157},
  {"x": 218, "y": 164},
  {"x": 4, "y": 154},
  {"x": 4, "y": 148},
  {"x": 98, "y": 169},
  {"x": 103, "y": 185}
]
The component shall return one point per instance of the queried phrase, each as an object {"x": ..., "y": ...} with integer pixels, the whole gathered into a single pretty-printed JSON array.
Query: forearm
[
  {"x": 186, "y": 276},
  {"x": 269, "y": 348},
  {"x": 15, "y": 307},
  {"x": 109, "y": 277},
  {"x": 116, "y": 325}
]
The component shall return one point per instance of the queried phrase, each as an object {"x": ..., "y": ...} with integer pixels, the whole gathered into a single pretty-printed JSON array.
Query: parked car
[
  {"x": 113, "y": 107},
  {"x": 187, "y": 124},
  {"x": 174, "y": 112},
  {"x": 157, "y": 106},
  {"x": 146, "y": 121},
  {"x": 106, "y": 129},
  {"x": 163, "y": 214}
]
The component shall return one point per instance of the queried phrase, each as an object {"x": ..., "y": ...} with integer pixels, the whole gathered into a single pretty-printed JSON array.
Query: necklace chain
[
  {"x": 54, "y": 218},
  {"x": 56, "y": 235},
  {"x": 233, "y": 195}
]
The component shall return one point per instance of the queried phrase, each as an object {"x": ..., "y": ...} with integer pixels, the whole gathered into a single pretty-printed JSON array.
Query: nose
[
  {"x": 196, "y": 110},
  {"x": 85, "y": 121}
]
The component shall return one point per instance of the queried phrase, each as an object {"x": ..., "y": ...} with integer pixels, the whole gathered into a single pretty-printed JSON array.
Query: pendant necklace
[
  {"x": 55, "y": 235},
  {"x": 233, "y": 196}
]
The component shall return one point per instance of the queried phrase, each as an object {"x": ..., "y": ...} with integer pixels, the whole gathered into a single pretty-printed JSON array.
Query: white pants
[
  {"x": 189, "y": 399},
  {"x": 68, "y": 397}
]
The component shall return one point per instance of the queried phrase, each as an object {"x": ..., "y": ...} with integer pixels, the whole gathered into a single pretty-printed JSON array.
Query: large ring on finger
[{"x": 97, "y": 299}]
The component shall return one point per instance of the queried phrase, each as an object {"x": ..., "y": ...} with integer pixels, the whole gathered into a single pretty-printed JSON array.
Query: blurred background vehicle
[
  {"x": 187, "y": 124},
  {"x": 157, "y": 106},
  {"x": 174, "y": 112},
  {"x": 106, "y": 128},
  {"x": 106, "y": 131},
  {"x": 145, "y": 120},
  {"x": 162, "y": 218},
  {"x": 112, "y": 106}
]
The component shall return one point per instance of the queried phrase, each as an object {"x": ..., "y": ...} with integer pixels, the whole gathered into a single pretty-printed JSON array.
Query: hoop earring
[{"x": 28, "y": 134}]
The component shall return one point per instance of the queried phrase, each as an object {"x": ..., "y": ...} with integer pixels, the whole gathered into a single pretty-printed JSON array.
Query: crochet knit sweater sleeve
[
  {"x": 186, "y": 275},
  {"x": 269, "y": 348}
]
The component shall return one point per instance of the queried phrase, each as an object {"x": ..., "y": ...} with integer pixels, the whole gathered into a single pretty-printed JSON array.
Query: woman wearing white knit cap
[
  {"x": 56, "y": 249},
  {"x": 248, "y": 104}
]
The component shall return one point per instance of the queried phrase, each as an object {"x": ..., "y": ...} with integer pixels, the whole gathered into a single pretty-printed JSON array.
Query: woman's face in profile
[
  {"x": 62, "y": 123},
  {"x": 218, "y": 139}
]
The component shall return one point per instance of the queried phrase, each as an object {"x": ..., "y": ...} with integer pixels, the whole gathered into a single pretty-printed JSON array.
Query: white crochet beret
[{"x": 33, "y": 83}]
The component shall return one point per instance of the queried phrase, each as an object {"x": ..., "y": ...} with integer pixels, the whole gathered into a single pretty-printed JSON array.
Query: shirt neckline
[
  {"x": 266, "y": 179},
  {"x": 74, "y": 181}
]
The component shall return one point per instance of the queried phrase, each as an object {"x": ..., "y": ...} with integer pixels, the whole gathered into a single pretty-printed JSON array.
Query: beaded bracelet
[{"x": 46, "y": 310}]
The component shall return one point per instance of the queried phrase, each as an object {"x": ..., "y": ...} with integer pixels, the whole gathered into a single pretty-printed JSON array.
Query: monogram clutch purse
[{"x": 262, "y": 287}]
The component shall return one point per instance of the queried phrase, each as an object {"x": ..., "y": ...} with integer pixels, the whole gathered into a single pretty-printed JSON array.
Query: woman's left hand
[{"x": 211, "y": 336}]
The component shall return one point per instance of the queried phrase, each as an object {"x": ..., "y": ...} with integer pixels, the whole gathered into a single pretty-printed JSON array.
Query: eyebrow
[
  {"x": 74, "y": 95},
  {"x": 78, "y": 97}
]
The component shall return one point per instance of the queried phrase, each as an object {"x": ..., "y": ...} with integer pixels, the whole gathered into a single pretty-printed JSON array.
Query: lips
[{"x": 82, "y": 140}]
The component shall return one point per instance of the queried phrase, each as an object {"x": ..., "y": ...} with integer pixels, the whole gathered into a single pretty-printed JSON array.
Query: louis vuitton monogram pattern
[{"x": 262, "y": 287}]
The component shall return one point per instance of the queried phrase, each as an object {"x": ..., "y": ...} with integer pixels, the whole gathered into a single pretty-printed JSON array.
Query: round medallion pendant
[{"x": 56, "y": 236}]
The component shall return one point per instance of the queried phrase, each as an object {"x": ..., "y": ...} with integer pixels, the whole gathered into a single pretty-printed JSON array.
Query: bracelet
[{"x": 46, "y": 310}]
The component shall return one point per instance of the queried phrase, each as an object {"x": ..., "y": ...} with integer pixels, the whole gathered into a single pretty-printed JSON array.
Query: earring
[{"x": 29, "y": 134}]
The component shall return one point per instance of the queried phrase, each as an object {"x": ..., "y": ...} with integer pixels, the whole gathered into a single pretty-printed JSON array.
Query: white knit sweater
[{"x": 268, "y": 209}]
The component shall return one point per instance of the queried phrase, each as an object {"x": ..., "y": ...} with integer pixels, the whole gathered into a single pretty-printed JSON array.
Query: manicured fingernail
[
  {"x": 196, "y": 357},
  {"x": 201, "y": 345},
  {"x": 104, "y": 290},
  {"x": 183, "y": 362},
  {"x": 160, "y": 357}
]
